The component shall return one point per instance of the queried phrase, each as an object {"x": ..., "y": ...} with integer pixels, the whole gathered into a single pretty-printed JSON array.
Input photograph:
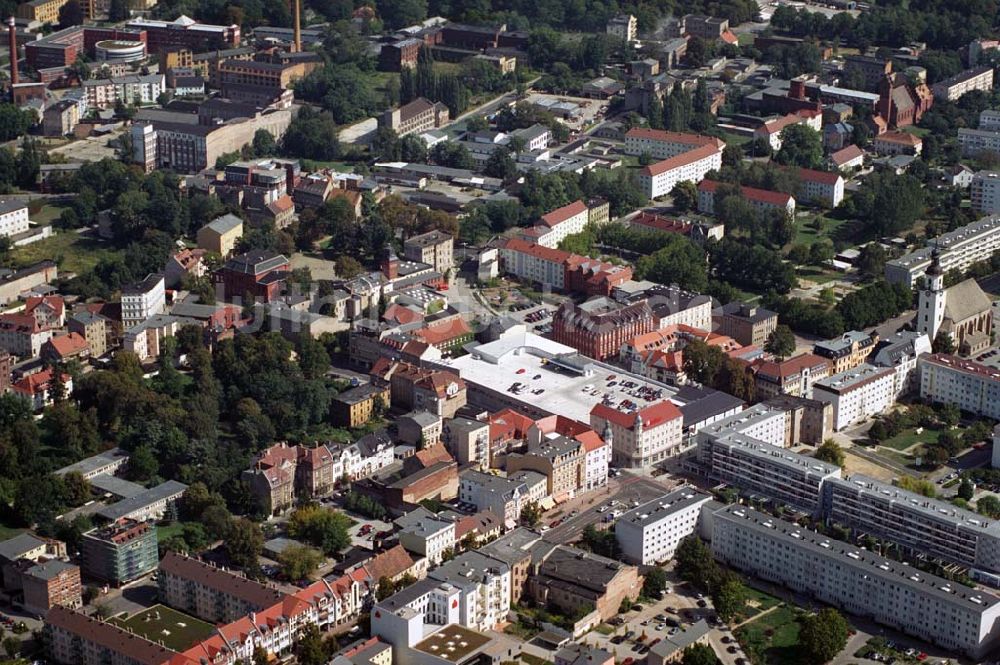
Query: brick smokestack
[
  {"x": 12, "y": 35},
  {"x": 297, "y": 4}
]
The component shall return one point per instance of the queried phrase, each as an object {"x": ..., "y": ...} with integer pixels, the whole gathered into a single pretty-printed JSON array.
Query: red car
[
  {"x": 365, "y": 530},
  {"x": 521, "y": 371}
]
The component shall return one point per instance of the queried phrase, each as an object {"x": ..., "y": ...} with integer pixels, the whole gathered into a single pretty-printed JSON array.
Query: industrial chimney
[
  {"x": 12, "y": 35},
  {"x": 298, "y": 26}
]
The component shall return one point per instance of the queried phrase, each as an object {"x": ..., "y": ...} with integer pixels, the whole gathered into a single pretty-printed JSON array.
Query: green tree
[
  {"x": 118, "y": 11},
  {"x": 77, "y": 488},
  {"x": 729, "y": 599},
  {"x": 801, "y": 145},
  {"x": 781, "y": 342},
  {"x": 943, "y": 342},
  {"x": 299, "y": 562},
  {"x": 966, "y": 489},
  {"x": 918, "y": 485},
  {"x": 310, "y": 648},
  {"x": 655, "y": 583},
  {"x": 988, "y": 505},
  {"x": 685, "y": 196},
  {"x": 823, "y": 635},
  {"x": 531, "y": 513},
  {"x": 70, "y": 14},
  {"x": 244, "y": 542},
  {"x": 501, "y": 164},
  {"x": 694, "y": 562},
  {"x": 830, "y": 451},
  {"x": 264, "y": 144},
  {"x": 324, "y": 528},
  {"x": 702, "y": 362},
  {"x": 871, "y": 261},
  {"x": 699, "y": 654}
]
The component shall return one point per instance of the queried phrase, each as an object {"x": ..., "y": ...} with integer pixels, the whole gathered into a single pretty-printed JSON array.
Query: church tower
[{"x": 931, "y": 299}]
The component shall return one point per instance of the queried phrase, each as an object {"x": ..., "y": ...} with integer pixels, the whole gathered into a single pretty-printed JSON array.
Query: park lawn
[
  {"x": 48, "y": 214},
  {"x": 776, "y": 635},
  {"x": 73, "y": 252},
  {"x": 7, "y": 531},
  {"x": 176, "y": 630},
  {"x": 817, "y": 274},
  {"x": 735, "y": 139},
  {"x": 806, "y": 235},
  {"x": 909, "y": 437},
  {"x": 759, "y": 601},
  {"x": 336, "y": 165}
]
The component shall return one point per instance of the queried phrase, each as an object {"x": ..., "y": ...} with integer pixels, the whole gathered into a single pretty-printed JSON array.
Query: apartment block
[
  {"x": 761, "y": 200},
  {"x": 901, "y": 352},
  {"x": 914, "y": 522},
  {"x": 355, "y": 407},
  {"x": 857, "y": 394},
  {"x": 847, "y": 351},
  {"x": 957, "y": 250},
  {"x": 642, "y": 438},
  {"x": 282, "y": 472},
  {"x": 575, "y": 580},
  {"x": 468, "y": 441},
  {"x": 761, "y": 468},
  {"x": 682, "y": 157},
  {"x": 976, "y": 142},
  {"x": 484, "y": 585},
  {"x": 597, "y": 328},
  {"x": 971, "y": 386},
  {"x": 952, "y": 88},
  {"x": 120, "y": 552},
  {"x": 503, "y": 496},
  {"x": 795, "y": 376},
  {"x": 143, "y": 299},
  {"x": 985, "y": 192},
  {"x": 649, "y": 534},
  {"x": 949, "y": 614},
  {"x": 560, "y": 459},
  {"x": 434, "y": 248},
  {"x": 820, "y": 187},
  {"x": 49, "y": 584},
  {"x": 129, "y": 89},
  {"x": 13, "y": 217},
  {"x": 747, "y": 324},
  {"x": 429, "y": 537}
]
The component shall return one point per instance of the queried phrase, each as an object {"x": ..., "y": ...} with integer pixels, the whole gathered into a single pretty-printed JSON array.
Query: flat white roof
[{"x": 497, "y": 365}]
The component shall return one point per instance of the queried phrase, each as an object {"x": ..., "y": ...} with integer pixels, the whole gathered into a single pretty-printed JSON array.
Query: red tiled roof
[
  {"x": 444, "y": 332},
  {"x": 728, "y": 37},
  {"x": 21, "y": 323},
  {"x": 391, "y": 563},
  {"x": 822, "y": 177},
  {"x": 776, "y": 125},
  {"x": 35, "y": 384},
  {"x": 674, "y": 137},
  {"x": 69, "y": 345},
  {"x": 400, "y": 314},
  {"x": 533, "y": 249},
  {"x": 111, "y": 637},
  {"x": 509, "y": 423},
  {"x": 560, "y": 215},
  {"x": 751, "y": 193},
  {"x": 55, "y": 302},
  {"x": 847, "y": 154},
  {"x": 652, "y": 416},
  {"x": 202, "y": 573},
  {"x": 903, "y": 138},
  {"x": 282, "y": 204},
  {"x": 790, "y": 367},
  {"x": 683, "y": 159}
]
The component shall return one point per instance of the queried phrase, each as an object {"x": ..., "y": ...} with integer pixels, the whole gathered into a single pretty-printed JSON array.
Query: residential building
[
  {"x": 857, "y": 394},
  {"x": 949, "y": 614},
  {"x": 146, "y": 339},
  {"x": 209, "y": 593},
  {"x": 46, "y": 11},
  {"x": 897, "y": 143},
  {"x": 221, "y": 235},
  {"x": 971, "y": 386},
  {"x": 649, "y": 534},
  {"x": 154, "y": 503},
  {"x": 282, "y": 472},
  {"x": 107, "y": 463},
  {"x": 747, "y": 324},
  {"x": 49, "y": 584},
  {"x": 985, "y": 192},
  {"x": 38, "y": 388},
  {"x": 671, "y": 649},
  {"x": 143, "y": 300},
  {"x": 13, "y": 217},
  {"x": 954, "y": 87},
  {"x": 597, "y": 328},
  {"x": 421, "y": 429},
  {"x": 794, "y": 376},
  {"x": 355, "y": 407},
  {"x": 761, "y": 200},
  {"x": 761, "y": 468},
  {"x": 955, "y": 250},
  {"x": 806, "y": 420},
  {"x": 418, "y": 116},
  {"x": 642, "y": 438},
  {"x": 485, "y": 589},
  {"x": 514, "y": 549},
  {"x": 502, "y": 496},
  {"x": 917, "y": 524},
  {"x": 556, "y": 269},
  {"x": 623, "y": 26},
  {"x": 847, "y": 351},
  {"x": 120, "y": 552},
  {"x": 560, "y": 459},
  {"x": 468, "y": 441},
  {"x": 186, "y": 263},
  {"x": 900, "y": 352},
  {"x": 429, "y": 537},
  {"x": 572, "y": 580},
  {"x": 61, "y": 118},
  {"x": 978, "y": 142},
  {"x": 77, "y": 639},
  {"x": 131, "y": 89},
  {"x": 413, "y": 388},
  {"x": 21, "y": 335},
  {"x": 258, "y": 274},
  {"x": 581, "y": 654},
  {"x": 820, "y": 187},
  {"x": 849, "y": 158},
  {"x": 661, "y": 145},
  {"x": 434, "y": 248}
]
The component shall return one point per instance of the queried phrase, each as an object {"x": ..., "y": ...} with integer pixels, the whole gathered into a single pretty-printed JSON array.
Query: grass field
[
  {"x": 758, "y": 601},
  {"x": 8, "y": 531},
  {"x": 72, "y": 251},
  {"x": 159, "y": 623},
  {"x": 806, "y": 235},
  {"x": 48, "y": 214},
  {"x": 773, "y": 638},
  {"x": 909, "y": 437}
]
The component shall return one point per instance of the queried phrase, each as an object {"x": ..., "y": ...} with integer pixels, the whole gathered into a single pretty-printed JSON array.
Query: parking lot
[{"x": 536, "y": 317}]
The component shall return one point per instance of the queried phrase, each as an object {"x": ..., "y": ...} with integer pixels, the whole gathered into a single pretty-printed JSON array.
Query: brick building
[
  {"x": 260, "y": 273},
  {"x": 597, "y": 328}
]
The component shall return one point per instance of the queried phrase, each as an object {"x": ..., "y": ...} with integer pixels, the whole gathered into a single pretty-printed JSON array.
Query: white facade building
[
  {"x": 900, "y": 352},
  {"x": 485, "y": 588},
  {"x": 643, "y": 438},
  {"x": 143, "y": 300},
  {"x": 970, "y": 386},
  {"x": 596, "y": 460},
  {"x": 820, "y": 187},
  {"x": 13, "y": 218},
  {"x": 504, "y": 496},
  {"x": 985, "y": 192},
  {"x": 683, "y": 157},
  {"x": 857, "y": 394},
  {"x": 949, "y": 614},
  {"x": 957, "y": 250},
  {"x": 649, "y": 534},
  {"x": 428, "y": 537}
]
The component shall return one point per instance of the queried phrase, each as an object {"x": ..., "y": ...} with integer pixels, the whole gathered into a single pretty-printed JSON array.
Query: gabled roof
[
  {"x": 56, "y": 303},
  {"x": 683, "y": 159},
  {"x": 674, "y": 137},
  {"x": 560, "y": 215},
  {"x": 652, "y": 416},
  {"x": 391, "y": 563},
  {"x": 68, "y": 345},
  {"x": 792, "y": 366},
  {"x": 822, "y": 177},
  {"x": 751, "y": 193},
  {"x": 847, "y": 154}
]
